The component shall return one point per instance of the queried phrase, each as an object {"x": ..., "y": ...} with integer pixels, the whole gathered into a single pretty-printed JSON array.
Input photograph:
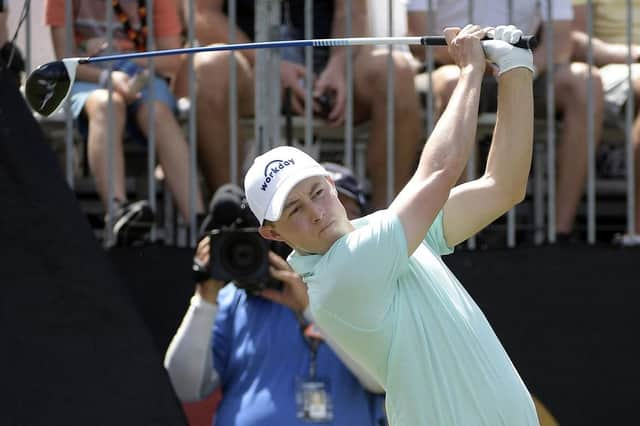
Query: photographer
[{"x": 272, "y": 364}]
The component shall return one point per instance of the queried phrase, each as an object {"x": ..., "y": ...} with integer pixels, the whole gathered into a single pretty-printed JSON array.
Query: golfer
[{"x": 378, "y": 285}]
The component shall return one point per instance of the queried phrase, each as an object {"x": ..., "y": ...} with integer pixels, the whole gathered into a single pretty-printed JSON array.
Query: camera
[
  {"x": 326, "y": 102},
  {"x": 238, "y": 252}
]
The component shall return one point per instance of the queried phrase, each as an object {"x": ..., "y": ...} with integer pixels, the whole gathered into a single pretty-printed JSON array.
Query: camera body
[
  {"x": 241, "y": 255},
  {"x": 237, "y": 250},
  {"x": 326, "y": 102}
]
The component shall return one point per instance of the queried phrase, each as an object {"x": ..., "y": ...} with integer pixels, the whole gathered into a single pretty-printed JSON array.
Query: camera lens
[{"x": 242, "y": 254}]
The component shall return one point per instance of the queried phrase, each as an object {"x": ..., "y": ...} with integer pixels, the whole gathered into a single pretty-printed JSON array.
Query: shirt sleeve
[
  {"x": 363, "y": 270},
  {"x": 435, "y": 239},
  {"x": 419, "y": 5},
  {"x": 222, "y": 329},
  {"x": 166, "y": 19},
  {"x": 54, "y": 13},
  {"x": 188, "y": 357},
  {"x": 561, "y": 10}
]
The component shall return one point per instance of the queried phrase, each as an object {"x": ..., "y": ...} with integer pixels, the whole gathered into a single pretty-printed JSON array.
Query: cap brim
[{"x": 274, "y": 211}]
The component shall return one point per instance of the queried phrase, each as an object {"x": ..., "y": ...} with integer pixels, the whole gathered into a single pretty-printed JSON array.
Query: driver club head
[{"x": 49, "y": 85}]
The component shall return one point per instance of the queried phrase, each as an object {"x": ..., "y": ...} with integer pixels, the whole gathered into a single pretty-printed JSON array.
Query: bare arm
[
  {"x": 86, "y": 72},
  {"x": 3, "y": 28},
  {"x": 212, "y": 26},
  {"x": 417, "y": 26},
  {"x": 476, "y": 204},
  {"x": 166, "y": 65},
  {"x": 447, "y": 149},
  {"x": 561, "y": 46},
  {"x": 603, "y": 53},
  {"x": 358, "y": 24},
  {"x": 332, "y": 78}
]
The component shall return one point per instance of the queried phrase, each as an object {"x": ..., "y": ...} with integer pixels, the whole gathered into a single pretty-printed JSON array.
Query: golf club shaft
[{"x": 527, "y": 42}]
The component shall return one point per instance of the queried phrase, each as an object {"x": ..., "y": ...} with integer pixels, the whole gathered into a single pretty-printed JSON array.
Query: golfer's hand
[
  {"x": 122, "y": 84},
  {"x": 294, "y": 290},
  {"x": 502, "y": 54},
  {"x": 208, "y": 289},
  {"x": 465, "y": 47},
  {"x": 291, "y": 75}
]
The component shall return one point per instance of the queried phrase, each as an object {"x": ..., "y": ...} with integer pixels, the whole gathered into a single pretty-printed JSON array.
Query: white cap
[{"x": 272, "y": 176}]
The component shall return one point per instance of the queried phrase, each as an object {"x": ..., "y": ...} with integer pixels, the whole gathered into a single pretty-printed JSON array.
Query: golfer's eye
[{"x": 294, "y": 210}]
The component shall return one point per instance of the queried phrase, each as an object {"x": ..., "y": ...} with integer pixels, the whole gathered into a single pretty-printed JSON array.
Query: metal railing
[{"x": 267, "y": 118}]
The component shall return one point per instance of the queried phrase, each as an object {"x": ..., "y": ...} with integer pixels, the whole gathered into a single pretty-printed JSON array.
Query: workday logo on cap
[
  {"x": 272, "y": 176},
  {"x": 272, "y": 169}
]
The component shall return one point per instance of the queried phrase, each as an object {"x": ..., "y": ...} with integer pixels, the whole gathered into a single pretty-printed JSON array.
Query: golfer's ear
[{"x": 268, "y": 232}]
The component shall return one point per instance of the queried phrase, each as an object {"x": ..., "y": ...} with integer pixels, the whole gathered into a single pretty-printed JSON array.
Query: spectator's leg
[
  {"x": 636, "y": 150},
  {"x": 445, "y": 79},
  {"x": 173, "y": 154},
  {"x": 96, "y": 108},
  {"x": 370, "y": 93},
  {"x": 212, "y": 77},
  {"x": 571, "y": 101}
]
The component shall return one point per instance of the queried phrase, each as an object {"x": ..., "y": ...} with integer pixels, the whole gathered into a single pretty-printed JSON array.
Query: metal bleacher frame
[{"x": 328, "y": 145}]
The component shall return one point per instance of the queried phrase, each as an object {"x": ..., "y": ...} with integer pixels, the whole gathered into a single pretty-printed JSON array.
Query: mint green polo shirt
[{"x": 409, "y": 322}]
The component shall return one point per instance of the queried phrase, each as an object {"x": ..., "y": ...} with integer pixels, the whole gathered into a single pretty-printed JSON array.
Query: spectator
[
  {"x": 610, "y": 52},
  {"x": 4, "y": 12},
  {"x": 260, "y": 355},
  {"x": 570, "y": 83},
  {"x": 369, "y": 86},
  {"x": 131, "y": 100},
  {"x": 10, "y": 56}
]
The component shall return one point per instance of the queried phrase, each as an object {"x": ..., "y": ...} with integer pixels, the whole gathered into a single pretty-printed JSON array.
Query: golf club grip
[{"x": 525, "y": 42}]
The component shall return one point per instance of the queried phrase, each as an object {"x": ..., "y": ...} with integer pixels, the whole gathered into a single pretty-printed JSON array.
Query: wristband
[
  {"x": 200, "y": 272},
  {"x": 104, "y": 75}
]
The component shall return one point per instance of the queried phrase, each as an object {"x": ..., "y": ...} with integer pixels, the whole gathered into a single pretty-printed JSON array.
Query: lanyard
[
  {"x": 138, "y": 37},
  {"x": 313, "y": 339}
]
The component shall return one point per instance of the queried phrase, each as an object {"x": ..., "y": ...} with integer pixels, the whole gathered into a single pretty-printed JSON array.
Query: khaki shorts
[
  {"x": 615, "y": 84},
  {"x": 489, "y": 95}
]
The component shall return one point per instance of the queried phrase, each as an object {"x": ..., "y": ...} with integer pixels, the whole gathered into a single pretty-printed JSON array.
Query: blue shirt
[
  {"x": 408, "y": 321},
  {"x": 259, "y": 353}
]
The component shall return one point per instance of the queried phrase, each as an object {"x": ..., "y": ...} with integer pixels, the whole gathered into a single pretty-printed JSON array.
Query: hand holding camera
[
  {"x": 208, "y": 288},
  {"x": 233, "y": 250},
  {"x": 294, "y": 291}
]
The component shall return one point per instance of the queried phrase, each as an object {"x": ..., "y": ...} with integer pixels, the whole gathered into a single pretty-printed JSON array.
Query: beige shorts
[{"x": 615, "y": 84}]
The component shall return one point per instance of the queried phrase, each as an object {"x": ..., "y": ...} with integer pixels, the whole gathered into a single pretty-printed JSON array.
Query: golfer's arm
[
  {"x": 474, "y": 205},
  {"x": 212, "y": 26},
  {"x": 442, "y": 161},
  {"x": 189, "y": 359}
]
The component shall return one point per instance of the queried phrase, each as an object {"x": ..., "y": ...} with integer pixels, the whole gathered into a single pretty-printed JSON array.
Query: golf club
[{"x": 49, "y": 85}]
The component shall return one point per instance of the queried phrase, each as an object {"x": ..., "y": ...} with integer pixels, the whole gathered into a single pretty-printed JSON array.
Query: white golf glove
[{"x": 504, "y": 55}]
